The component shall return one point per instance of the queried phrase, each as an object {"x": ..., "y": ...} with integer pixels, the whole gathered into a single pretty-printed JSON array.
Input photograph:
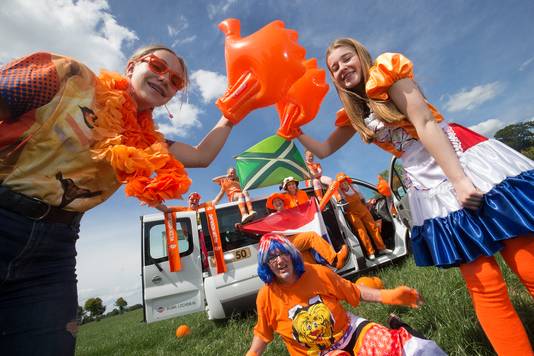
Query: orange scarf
[{"x": 131, "y": 145}]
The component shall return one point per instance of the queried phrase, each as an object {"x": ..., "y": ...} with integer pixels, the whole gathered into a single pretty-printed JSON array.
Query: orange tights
[{"x": 489, "y": 294}]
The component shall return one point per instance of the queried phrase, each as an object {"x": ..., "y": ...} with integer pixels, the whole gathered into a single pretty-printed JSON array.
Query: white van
[{"x": 196, "y": 287}]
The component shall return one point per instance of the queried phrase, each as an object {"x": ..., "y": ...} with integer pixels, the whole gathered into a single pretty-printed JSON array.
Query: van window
[
  {"x": 227, "y": 218},
  {"x": 155, "y": 240}
]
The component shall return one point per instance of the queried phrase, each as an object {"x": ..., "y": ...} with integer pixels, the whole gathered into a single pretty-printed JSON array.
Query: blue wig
[{"x": 269, "y": 244}]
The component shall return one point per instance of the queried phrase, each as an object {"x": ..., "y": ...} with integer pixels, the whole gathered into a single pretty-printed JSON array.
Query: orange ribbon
[
  {"x": 213, "y": 226},
  {"x": 172, "y": 242}
]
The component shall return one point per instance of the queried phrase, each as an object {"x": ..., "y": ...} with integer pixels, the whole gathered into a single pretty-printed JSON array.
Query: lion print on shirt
[{"x": 313, "y": 325}]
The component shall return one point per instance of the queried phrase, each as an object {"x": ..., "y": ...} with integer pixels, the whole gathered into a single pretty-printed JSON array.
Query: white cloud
[
  {"x": 211, "y": 84},
  {"x": 185, "y": 117},
  {"x": 85, "y": 30},
  {"x": 181, "y": 41},
  {"x": 180, "y": 25},
  {"x": 470, "y": 99},
  {"x": 526, "y": 64},
  {"x": 220, "y": 8},
  {"x": 489, "y": 127}
]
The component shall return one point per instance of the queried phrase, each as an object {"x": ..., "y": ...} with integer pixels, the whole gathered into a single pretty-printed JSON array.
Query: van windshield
[{"x": 232, "y": 238}]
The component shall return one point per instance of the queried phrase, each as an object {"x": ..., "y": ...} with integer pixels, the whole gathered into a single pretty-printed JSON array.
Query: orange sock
[
  {"x": 519, "y": 256},
  {"x": 493, "y": 307}
]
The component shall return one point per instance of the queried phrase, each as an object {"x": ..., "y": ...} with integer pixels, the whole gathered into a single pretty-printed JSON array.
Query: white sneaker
[
  {"x": 245, "y": 218},
  {"x": 371, "y": 257}
]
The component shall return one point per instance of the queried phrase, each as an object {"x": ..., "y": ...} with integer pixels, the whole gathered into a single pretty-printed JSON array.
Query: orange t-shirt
[
  {"x": 299, "y": 199},
  {"x": 308, "y": 314},
  {"x": 230, "y": 187}
]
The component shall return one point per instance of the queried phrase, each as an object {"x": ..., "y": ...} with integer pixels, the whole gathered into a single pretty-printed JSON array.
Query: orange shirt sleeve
[
  {"x": 387, "y": 69},
  {"x": 342, "y": 288},
  {"x": 263, "y": 328}
]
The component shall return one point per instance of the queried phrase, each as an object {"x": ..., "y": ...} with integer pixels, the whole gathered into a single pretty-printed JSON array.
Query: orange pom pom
[
  {"x": 183, "y": 330},
  {"x": 371, "y": 282}
]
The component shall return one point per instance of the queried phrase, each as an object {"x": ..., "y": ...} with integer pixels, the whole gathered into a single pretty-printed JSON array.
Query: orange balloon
[
  {"x": 371, "y": 282},
  {"x": 383, "y": 187},
  {"x": 183, "y": 330},
  {"x": 302, "y": 101},
  {"x": 260, "y": 67}
]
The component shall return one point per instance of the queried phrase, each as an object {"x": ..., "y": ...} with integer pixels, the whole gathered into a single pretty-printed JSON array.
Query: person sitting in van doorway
[
  {"x": 360, "y": 218},
  {"x": 230, "y": 185},
  {"x": 308, "y": 240},
  {"x": 294, "y": 195},
  {"x": 302, "y": 303},
  {"x": 318, "y": 178}
]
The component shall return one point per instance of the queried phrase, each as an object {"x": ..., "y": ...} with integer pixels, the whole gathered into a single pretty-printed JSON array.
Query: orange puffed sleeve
[
  {"x": 388, "y": 68},
  {"x": 342, "y": 119}
]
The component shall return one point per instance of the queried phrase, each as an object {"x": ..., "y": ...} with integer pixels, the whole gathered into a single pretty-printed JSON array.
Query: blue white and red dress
[{"x": 443, "y": 233}]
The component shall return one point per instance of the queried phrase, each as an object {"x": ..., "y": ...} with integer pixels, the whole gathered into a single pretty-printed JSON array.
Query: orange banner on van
[
  {"x": 172, "y": 242},
  {"x": 213, "y": 226}
]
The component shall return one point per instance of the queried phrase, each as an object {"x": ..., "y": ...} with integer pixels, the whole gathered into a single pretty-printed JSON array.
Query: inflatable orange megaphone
[
  {"x": 383, "y": 187},
  {"x": 260, "y": 67},
  {"x": 302, "y": 101}
]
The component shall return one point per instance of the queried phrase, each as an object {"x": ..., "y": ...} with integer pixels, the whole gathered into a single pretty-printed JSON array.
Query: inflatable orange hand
[
  {"x": 260, "y": 67},
  {"x": 302, "y": 101},
  {"x": 383, "y": 187}
]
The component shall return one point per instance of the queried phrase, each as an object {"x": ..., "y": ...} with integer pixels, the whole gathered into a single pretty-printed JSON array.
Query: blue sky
[{"x": 473, "y": 60}]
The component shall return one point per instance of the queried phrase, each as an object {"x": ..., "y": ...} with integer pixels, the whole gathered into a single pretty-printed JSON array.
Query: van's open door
[
  {"x": 400, "y": 192},
  {"x": 169, "y": 294}
]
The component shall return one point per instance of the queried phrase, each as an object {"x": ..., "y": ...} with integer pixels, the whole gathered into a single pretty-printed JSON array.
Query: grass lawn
[{"x": 447, "y": 317}]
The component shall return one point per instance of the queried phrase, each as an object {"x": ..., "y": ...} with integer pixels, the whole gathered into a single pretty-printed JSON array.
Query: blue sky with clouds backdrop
[{"x": 473, "y": 59}]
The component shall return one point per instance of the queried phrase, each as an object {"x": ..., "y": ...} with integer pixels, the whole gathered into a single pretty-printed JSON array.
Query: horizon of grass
[{"x": 447, "y": 318}]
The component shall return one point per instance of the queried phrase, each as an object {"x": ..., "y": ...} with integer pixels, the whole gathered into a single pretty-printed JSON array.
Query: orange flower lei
[{"x": 132, "y": 146}]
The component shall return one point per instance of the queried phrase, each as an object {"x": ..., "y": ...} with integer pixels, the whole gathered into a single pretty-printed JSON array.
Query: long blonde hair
[
  {"x": 140, "y": 52},
  {"x": 356, "y": 103}
]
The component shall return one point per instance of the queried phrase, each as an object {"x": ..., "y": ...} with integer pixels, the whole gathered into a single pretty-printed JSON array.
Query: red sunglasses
[{"x": 160, "y": 67}]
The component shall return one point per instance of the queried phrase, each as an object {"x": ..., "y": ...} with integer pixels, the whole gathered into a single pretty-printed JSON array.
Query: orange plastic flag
[
  {"x": 172, "y": 242},
  {"x": 213, "y": 226},
  {"x": 329, "y": 192}
]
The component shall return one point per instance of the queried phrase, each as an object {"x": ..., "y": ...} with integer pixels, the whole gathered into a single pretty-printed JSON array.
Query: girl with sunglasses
[
  {"x": 68, "y": 139},
  {"x": 470, "y": 197}
]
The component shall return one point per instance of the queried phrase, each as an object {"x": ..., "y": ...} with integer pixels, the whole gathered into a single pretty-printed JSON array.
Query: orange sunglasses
[{"x": 160, "y": 67}]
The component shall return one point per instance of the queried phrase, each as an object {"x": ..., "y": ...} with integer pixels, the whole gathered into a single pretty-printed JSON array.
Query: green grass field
[{"x": 447, "y": 317}]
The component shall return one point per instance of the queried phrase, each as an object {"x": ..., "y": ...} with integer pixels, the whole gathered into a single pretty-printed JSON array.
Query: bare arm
[
  {"x": 257, "y": 347},
  {"x": 218, "y": 197},
  {"x": 206, "y": 151},
  {"x": 409, "y": 100},
  {"x": 337, "y": 138}
]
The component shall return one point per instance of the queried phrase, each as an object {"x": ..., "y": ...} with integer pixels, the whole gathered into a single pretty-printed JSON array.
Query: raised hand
[
  {"x": 302, "y": 101},
  {"x": 260, "y": 67}
]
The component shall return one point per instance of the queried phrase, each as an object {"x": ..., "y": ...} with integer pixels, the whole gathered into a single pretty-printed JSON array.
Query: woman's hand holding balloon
[{"x": 302, "y": 101}]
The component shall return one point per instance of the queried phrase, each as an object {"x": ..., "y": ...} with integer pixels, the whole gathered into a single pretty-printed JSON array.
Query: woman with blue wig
[{"x": 302, "y": 303}]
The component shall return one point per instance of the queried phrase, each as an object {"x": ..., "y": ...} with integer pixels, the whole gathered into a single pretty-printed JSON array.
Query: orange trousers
[
  {"x": 362, "y": 221},
  {"x": 491, "y": 301},
  {"x": 310, "y": 239}
]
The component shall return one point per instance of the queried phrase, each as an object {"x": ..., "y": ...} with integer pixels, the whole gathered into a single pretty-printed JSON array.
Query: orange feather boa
[{"x": 131, "y": 145}]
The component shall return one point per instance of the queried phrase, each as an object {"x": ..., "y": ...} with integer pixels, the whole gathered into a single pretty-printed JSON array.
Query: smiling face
[
  {"x": 344, "y": 186},
  {"x": 150, "y": 89},
  {"x": 345, "y": 66},
  {"x": 282, "y": 267},
  {"x": 278, "y": 204},
  {"x": 291, "y": 188}
]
